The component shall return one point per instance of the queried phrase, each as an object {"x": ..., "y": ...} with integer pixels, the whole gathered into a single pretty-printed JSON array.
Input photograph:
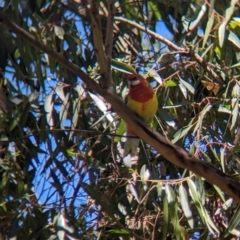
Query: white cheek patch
[{"x": 134, "y": 83}]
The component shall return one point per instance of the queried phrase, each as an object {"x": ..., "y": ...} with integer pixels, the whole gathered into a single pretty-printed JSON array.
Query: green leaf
[
  {"x": 144, "y": 173},
  {"x": 102, "y": 106},
  {"x": 188, "y": 86},
  {"x": 222, "y": 158},
  {"x": 170, "y": 83},
  {"x": 131, "y": 11},
  {"x": 221, "y": 34},
  {"x": 60, "y": 92},
  {"x": 64, "y": 110},
  {"x": 186, "y": 206},
  {"x": 234, "y": 222},
  {"x": 15, "y": 122},
  {"x": 227, "y": 204},
  {"x": 235, "y": 112},
  {"x": 236, "y": 65},
  {"x": 223, "y": 109},
  {"x": 171, "y": 197},
  {"x": 235, "y": 91},
  {"x": 201, "y": 210},
  {"x": 183, "y": 90},
  {"x": 207, "y": 50},
  {"x": 59, "y": 31},
  {"x": 120, "y": 131},
  {"x": 153, "y": 74},
  {"x": 201, "y": 117},
  {"x": 196, "y": 199},
  {"x": 208, "y": 29},
  {"x": 229, "y": 12},
  {"x": 200, "y": 184},
  {"x": 233, "y": 38},
  {"x": 165, "y": 217},
  {"x": 76, "y": 112},
  {"x": 48, "y": 107},
  {"x": 213, "y": 152},
  {"x": 122, "y": 67},
  {"x": 60, "y": 225},
  {"x": 205, "y": 236},
  {"x": 118, "y": 231},
  {"x": 134, "y": 191},
  {"x": 165, "y": 116},
  {"x": 122, "y": 209},
  {"x": 182, "y": 132},
  {"x": 70, "y": 152},
  {"x": 155, "y": 9},
  {"x": 220, "y": 193},
  {"x": 236, "y": 21}
]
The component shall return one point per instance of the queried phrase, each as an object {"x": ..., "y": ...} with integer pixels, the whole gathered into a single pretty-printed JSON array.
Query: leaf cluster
[{"x": 61, "y": 170}]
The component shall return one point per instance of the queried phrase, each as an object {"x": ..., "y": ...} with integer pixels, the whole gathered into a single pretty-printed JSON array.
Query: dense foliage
[{"x": 61, "y": 169}]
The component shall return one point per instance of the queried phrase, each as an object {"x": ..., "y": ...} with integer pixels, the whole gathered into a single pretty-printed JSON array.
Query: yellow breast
[{"x": 145, "y": 110}]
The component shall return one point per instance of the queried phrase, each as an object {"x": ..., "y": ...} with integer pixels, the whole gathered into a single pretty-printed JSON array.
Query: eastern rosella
[{"x": 143, "y": 101}]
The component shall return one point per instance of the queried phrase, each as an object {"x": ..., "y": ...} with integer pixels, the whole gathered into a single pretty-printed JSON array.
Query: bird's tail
[{"x": 131, "y": 146}]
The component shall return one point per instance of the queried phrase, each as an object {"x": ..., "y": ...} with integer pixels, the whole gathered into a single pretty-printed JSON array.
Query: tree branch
[
  {"x": 103, "y": 61},
  {"x": 109, "y": 35},
  {"x": 171, "y": 45},
  {"x": 171, "y": 152}
]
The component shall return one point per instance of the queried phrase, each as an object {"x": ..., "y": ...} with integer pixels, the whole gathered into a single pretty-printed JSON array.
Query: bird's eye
[{"x": 134, "y": 78}]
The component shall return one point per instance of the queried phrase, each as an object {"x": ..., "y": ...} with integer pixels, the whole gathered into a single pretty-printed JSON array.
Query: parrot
[{"x": 143, "y": 101}]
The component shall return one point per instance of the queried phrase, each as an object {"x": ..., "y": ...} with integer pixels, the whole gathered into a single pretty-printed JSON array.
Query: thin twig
[
  {"x": 103, "y": 61},
  {"x": 143, "y": 199},
  {"x": 109, "y": 34},
  {"x": 155, "y": 224},
  {"x": 94, "y": 132},
  {"x": 171, "y": 45}
]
